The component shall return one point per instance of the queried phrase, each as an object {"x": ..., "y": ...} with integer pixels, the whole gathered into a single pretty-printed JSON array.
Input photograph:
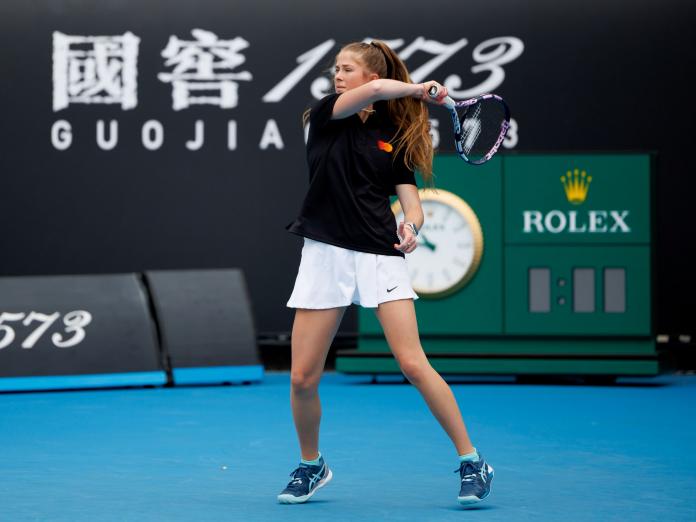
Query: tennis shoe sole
[{"x": 289, "y": 499}]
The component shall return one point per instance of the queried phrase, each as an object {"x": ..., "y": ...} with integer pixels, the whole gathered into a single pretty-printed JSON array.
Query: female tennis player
[{"x": 365, "y": 141}]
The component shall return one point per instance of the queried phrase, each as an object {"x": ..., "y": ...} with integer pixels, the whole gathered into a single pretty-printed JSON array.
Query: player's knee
[
  {"x": 415, "y": 370},
  {"x": 303, "y": 382}
]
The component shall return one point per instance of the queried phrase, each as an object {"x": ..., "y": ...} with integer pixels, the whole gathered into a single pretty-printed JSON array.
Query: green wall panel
[
  {"x": 369, "y": 365},
  {"x": 521, "y": 346},
  {"x": 572, "y": 230},
  {"x": 561, "y": 317}
]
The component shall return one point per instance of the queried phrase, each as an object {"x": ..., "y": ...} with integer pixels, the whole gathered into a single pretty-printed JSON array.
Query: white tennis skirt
[{"x": 331, "y": 276}]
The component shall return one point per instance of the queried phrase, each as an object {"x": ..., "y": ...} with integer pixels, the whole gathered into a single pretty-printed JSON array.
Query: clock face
[{"x": 450, "y": 244}]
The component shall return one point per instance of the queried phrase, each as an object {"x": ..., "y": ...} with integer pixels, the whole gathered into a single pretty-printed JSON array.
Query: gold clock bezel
[{"x": 463, "y": 208}]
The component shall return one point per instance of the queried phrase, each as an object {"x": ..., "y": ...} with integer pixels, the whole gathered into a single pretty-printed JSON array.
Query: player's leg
[
  {"x": 312, "y": 333},
  {"x": 398, "y": 320}
]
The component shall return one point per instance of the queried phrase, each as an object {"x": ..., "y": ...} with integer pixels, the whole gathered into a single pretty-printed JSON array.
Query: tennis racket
[{"x": 480, "y": 125}]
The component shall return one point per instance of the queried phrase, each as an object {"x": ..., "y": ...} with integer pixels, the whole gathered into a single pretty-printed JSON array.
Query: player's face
[{"x": 349, "y": 72}]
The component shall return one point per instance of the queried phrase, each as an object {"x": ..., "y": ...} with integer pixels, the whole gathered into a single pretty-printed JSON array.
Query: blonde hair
[{"x": 408, "y": 114}]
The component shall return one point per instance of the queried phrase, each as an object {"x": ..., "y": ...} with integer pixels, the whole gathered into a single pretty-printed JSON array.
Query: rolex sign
[{"x": 577, "y": 199}]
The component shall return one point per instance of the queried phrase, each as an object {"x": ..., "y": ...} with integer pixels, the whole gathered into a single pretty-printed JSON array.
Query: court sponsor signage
[
  {"x": 34, "y": 325},
  {"x": 591, "y": 222},
  {"x": 576, "y": 185},
  {"x": 569, "y": 198},
  {"x": 208, "y": 70},
  {"x": 76, "y": 330}
]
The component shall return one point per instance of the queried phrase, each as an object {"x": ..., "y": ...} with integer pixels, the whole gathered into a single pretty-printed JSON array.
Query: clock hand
[{"x": 426, "y": 243}]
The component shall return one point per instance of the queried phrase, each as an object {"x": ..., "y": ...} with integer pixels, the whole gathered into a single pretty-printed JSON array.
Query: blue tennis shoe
[
  {"x": 306, "y": 480},
  {"x": 476, "y": 481}
]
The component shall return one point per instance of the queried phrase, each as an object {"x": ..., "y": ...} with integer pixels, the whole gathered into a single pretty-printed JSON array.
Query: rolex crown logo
[{"x": 576, "y": 183}]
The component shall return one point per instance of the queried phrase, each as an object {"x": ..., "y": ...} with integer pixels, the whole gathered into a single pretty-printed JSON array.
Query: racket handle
[{"x": 449, "y": 102}]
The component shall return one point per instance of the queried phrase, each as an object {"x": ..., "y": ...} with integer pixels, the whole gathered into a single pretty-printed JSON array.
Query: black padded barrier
[
  {"x": 206, "y": 325},
  {"x": 76, "y": 331}
]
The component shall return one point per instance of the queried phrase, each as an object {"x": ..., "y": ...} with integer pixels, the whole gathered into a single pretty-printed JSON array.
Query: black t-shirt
[{"x": 352, "y": 173}]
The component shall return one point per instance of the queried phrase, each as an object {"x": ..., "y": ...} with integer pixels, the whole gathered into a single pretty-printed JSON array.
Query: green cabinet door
[{"x": 581, "y": 290}]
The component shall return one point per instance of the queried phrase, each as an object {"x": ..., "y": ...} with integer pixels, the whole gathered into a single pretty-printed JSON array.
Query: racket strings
[
  {"x": 471, "y": 129},
  {"x": 481, "y": 127}
]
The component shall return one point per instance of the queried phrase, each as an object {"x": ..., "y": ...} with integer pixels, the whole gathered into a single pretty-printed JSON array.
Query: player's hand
[
  {"x": 408, "y": 239},
  {"x": 440, "y": 95}
]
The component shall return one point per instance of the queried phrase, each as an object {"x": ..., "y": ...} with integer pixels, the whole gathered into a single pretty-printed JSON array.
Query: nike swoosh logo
[{"x": 390, "y": 289}]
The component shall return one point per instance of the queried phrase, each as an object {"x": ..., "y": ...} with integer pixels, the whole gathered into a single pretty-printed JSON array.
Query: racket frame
[{"x": 452, "y": 107}]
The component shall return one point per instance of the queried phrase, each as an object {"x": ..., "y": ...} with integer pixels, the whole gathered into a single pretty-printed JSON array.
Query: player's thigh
[
  {"x": 312, "y": 333},
  {"x": 398, "y": 320}
]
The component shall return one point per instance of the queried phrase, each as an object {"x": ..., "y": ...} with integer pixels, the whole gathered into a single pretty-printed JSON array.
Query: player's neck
[{"x": 365, "y": 113}]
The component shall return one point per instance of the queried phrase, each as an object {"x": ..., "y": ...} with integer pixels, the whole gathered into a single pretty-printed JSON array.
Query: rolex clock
[{"x": 450, "y": 244}]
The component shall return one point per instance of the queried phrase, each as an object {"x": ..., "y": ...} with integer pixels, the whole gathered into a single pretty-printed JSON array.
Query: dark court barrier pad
[
  {"x": 206, "y": 325},
  {"x": 58, "y": 331}
]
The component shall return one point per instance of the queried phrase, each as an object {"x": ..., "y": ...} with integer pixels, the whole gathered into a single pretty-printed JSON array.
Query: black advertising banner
[
  {"x": 166, "y": 134},
  {"x": 73, "y": 331}
]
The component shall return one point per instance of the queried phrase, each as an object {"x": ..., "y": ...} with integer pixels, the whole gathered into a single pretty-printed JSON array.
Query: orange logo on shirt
[{"x": 383, "y": 145}]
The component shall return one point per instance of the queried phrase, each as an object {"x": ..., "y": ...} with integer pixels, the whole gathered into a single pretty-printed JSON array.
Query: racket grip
[{"x": 449, "y": 102}]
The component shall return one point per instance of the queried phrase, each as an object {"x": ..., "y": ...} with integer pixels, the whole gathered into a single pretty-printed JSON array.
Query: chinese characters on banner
[
  {"x": 95, "y": 69},
  {"x": 206, "y": 70},
  {"x": 204, "y": 64}
]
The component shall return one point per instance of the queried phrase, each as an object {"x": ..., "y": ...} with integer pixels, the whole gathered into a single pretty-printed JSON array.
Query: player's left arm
[{"x": 413, "y": 213}]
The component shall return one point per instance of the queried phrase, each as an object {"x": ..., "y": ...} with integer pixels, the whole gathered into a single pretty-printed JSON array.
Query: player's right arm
[{"x": 353, "y": 100}]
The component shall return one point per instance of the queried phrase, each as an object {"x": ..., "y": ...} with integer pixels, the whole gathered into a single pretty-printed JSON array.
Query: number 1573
[{"x": 74, "y": 324}]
